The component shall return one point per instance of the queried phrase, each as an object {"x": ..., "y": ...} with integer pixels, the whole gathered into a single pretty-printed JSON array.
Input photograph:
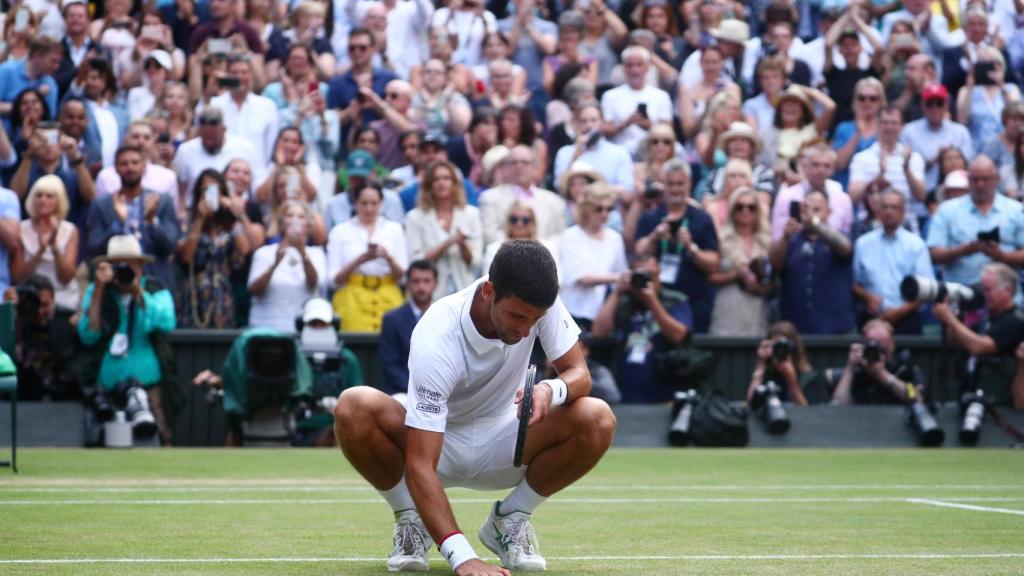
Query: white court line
[
  {"x": 348, "y": 559},
  {"x": 566, "y": 500},
  {"x": 186, "y": 487},
  {"x": 946, "y": 504}
]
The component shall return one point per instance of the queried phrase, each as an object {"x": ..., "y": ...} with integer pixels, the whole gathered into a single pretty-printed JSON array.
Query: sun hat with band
[
  {"x": 121, "y": 248},
  {"x": 740, "y": 130}
]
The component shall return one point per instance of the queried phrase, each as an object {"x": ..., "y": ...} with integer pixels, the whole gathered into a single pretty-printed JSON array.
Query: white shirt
[
  {"x": 610, "y": 160},
  {"x": 348, "y": 240},
  {"x": 866, "y": 166},
  {"x": 282, "y": 301},
  {"x": 191, "y": 159},
  {"x": 619, "y": 103},
  {"x": 456, "y": 375},
  {"x": 424, "y": 232},
  {"x": 469, "y": 29},
  {"x": 407, "y": 22},
  {"x": 255, "y": 120},
  {"x": 582, "y": 255},
  {"x": 691, "y": 74},
  {"x": 140, "y": 102},
  {"x": 110, "y": 134}
]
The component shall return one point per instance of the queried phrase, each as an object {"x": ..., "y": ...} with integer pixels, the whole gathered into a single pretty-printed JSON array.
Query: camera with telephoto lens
[
  {"x": 124, "y": 274},
  {"x": 682, "y": 410},
  {"x": 873, "y": 350},
  {"x": 639, "y": 280},
  {"x": 972, "y": 406},
  {"x": 781, "y": 349},
  {"x": 920, "y": 417},
  {"x": 652, "y": 189},
  {"x": 931, "y": 290},
  {"x": 767, "y": 405}
]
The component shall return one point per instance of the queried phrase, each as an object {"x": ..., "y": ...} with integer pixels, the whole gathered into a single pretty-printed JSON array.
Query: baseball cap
[
  {"x": 317, "y": 309},
  {"x": 360, "y": 163},
  {"x": 160, "y": 57},
  {"x": 433, "y": 139},
  {"x": 934, "y": 92}
]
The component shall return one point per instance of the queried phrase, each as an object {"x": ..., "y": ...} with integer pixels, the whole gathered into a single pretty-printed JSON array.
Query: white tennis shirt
[{"x": 456, "y": 375}]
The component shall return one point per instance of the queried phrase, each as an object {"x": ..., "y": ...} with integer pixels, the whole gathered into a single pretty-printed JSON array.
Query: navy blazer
[
  {"x": 395, "y": 335},
  {"x": 67, "y": 71},
  {"x": 159, "y": 238}
]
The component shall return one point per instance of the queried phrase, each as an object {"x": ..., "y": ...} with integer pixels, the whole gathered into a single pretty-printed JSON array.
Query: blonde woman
[
  {"x": 723, "y": 109},
  {"x": 592, "y": 256},
  {"x": 520, "y": 224},
  {"x": 857, "y": 135},
  {"x": 737, "y": 174},
  {"x": 446, "y": 230},
  {"x": 284, "y": 190},
  {"x": 366, "y": 257},
  {"x": 49, "y": 243},
  {"x": 658, "y": 148},
  {"x": 980, "y": 103},
  {"x": 744, "y": 277}
]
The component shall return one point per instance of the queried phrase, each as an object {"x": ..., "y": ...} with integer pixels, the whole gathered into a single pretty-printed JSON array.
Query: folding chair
[{"x": 9, "y": 384}]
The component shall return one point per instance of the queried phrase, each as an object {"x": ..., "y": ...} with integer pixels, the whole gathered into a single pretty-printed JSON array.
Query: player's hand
[
  {"x": 541, "y": 402},
  {"x": 477, "y": 567}
]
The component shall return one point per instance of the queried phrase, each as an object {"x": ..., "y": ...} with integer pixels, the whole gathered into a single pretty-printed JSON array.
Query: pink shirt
[{"x": 838, "y": 202}]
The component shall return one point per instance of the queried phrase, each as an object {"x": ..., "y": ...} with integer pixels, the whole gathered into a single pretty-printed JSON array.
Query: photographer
[
  {"x": 875, "y": 374},
  {"x": 46, "y": 342},
  {"x": 121, "y": 312},
  {"x": 648, "y": 320},
  {"x": 994, "y": 345},
  {"x": 781, "y": 359}
]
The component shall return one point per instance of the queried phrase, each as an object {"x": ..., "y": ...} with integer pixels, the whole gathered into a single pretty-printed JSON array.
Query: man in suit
[
  {"x": 77, "y": 44},
  {"x": 147, "y": 215},
  {"x": 396, "y": 328},
  {"x": 521, "y": 167}
]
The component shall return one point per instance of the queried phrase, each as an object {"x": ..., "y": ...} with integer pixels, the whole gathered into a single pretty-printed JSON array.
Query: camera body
[
  {"x": 873, "y": 350},
  {"x": 652, "y": 189},
  {"x": 124, "y": 274},
  {"x": 989, "y": 236},
  {"x": 768, "y": 406},
  {"x": 639, "y": 280},
  {"x": 782, "y": 348}
]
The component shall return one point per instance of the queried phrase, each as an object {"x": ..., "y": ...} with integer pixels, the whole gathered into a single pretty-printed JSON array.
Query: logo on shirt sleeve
[
  {"x": 425, "y": 407},
  {"x": 428, "y": 394}
]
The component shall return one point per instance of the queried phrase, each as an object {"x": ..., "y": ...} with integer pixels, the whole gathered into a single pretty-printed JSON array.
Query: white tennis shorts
[{"x": 479, "y": 454}]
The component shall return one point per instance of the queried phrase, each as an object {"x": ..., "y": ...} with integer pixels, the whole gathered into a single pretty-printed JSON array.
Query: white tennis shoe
[
  {"x": 411, "y": 542},
  {"x": 512, "y": 538}
]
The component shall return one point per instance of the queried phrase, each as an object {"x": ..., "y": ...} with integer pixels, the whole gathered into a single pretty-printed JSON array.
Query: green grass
[{"x": 655, "y": 511}]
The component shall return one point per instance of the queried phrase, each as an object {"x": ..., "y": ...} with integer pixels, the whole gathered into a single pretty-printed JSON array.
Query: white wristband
[
  {"x": 559, "y": 391},
  {"x": 456, "y": 550}
]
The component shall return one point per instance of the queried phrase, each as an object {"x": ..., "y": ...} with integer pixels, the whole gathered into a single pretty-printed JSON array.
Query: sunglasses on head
[{"x": 524, "y": 220}]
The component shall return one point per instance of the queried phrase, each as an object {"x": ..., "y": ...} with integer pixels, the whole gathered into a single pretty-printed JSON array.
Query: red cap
[{"x": 934, "y": 92}]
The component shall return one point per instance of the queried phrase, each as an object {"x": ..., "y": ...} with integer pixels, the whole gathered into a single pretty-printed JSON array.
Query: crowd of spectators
[{"x": 764, "y": 161}]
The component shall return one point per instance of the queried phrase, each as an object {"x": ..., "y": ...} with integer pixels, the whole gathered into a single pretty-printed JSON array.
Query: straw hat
[
  {"x": 578, "y": 169},
  {"x": 732, "y": 30},
  {"x": 796, "y": 93},
  {"x": 740, "y": 130},
  {"x": 124, "y": 247}
]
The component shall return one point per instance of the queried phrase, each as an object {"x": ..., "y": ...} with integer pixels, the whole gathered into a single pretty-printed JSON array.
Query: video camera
[
  {"x": 930, "y": 290},
  {"x": 767, "y": 405},
  {"x": 682, "y": 410}
]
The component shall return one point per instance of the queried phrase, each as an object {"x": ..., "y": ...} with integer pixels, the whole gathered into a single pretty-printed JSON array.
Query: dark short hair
[
  {"x": 40, "y": 283},
  {"x": 421, "y": 264},
  {"x": 525, "y": 269},
  {"x": 360, "y": 31},
  {"x": 125, "y": 148}
]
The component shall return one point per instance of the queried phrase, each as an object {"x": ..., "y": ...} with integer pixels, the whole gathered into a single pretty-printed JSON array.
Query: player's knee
[
  {"x": 353, "y": 404},
  {"x": 599, "y": 423}
]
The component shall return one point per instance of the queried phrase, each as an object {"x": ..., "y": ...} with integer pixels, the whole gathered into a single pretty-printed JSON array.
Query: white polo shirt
[{"x": 456, "y": 375}]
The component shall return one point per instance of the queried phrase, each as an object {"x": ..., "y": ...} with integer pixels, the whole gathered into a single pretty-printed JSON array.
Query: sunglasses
[
  {"x": 934, "y": 103},
  {"x": 865, "y": 98},
  {"x": 209, "y": 122},
  {"x": 524, "y": 220},
  {"x": 745, "y": 207},
  {"x": 603, "y": 209},
  {"x": 666, "y": 141}
]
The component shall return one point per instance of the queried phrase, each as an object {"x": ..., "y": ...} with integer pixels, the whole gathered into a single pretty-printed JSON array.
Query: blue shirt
[
  {"x": 340, "y": 209},
  {"x": 817, "y": 293},
  {"x": 927, "y": 142},
  {"x": 881, "y": 262},
  {"x": 691, "y": 280},
  {"x": 639, "y": 379},
  {"x": 411, "y": 193},
  {"x": 844, "y": 132},
  {"x": 10, "y": 208},
  {"x": 608, "y": 159},
  {"x": 958, "y": 222},
  {"x": 343, "y": 89},
  {"x": 14, "y": 80}
]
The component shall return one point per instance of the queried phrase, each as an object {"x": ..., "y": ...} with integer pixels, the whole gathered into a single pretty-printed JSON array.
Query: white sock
[
  {"x": 522, "y": 499},
  {"x": 398, "y": 497}
]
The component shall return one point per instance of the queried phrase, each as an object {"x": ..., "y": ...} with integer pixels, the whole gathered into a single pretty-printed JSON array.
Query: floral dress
[{"x": 205, "y": 299}]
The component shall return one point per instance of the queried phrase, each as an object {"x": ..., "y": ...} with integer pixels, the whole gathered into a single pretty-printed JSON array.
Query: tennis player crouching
[{"x": 467, "y": 363}]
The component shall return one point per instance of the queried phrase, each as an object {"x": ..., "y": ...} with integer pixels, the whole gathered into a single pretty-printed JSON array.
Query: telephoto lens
[
  {"x": 768, "y": 406},
  {"x": 929, "y": 434},
  {"x": 972, "y": 405},
  {"x": 682, "y": 410}
]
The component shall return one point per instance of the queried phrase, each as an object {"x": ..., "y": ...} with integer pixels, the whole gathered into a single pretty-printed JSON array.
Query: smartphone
[
  {"x": 163, "y": 138},
  {"x": 673, "y": 227},
  {"x": 229, "y": 82},
  {"x": 313, "y": 86},
  {"x": 981, "y": 73},
  {"x": 291, "y": 187},
  {"x": 794, "y": 210},
  {"x": 21, "y": 18},
  {"x": 641, "y": 109},
  {"x": 152, "y": 31},
  {"x": 212, "y": 196},
  {"x": 219, "y": 45}
]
